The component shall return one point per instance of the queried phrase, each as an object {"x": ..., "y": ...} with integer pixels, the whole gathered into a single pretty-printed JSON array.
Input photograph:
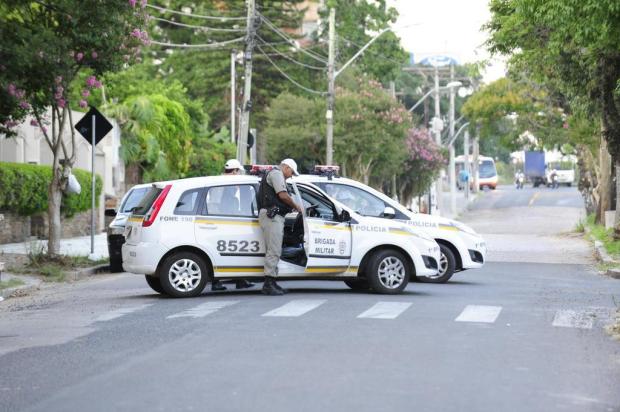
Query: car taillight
[{"x": 154, "y": 210}]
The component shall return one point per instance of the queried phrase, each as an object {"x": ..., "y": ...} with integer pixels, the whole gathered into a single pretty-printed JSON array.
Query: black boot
[
  {"x": 270, "y": 287},
  {"x": 280, "y": 288},
  {"x": 217, "y": 286},
  {"x": 243, "y": 284}
]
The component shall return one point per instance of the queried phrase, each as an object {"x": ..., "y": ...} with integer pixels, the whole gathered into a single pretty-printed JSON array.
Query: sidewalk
[{"x": 76, "y": 246}]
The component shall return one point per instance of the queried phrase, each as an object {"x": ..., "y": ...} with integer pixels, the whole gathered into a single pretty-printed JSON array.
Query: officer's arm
[{"x": 285, "y": 198}]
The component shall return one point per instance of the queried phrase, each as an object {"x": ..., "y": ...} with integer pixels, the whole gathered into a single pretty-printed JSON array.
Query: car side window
[
  {"x": 357, "y": 199},
  {"x": 188, "y": 202},
  {"x": 231, "y": 200},
  {"x": 321, "y": 208}
]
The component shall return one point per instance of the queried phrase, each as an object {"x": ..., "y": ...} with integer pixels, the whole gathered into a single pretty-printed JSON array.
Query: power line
[
  {"x": 290, "y": 40},
  {"x": 198, "y": 16},
  {"x": 199, "y": 46},
  {"x": 279, "y": 53},
  {"x": 192, "y": 26},
  {"x": 289, "y": 78}
]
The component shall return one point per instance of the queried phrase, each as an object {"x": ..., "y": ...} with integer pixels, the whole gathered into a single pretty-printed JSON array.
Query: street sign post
[{"x": 93, "y": 127}]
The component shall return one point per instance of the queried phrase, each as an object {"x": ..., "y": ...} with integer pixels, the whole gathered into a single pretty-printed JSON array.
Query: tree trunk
[
  {"x": 617, "y": 215},
  {"x": 476, "y": 163},
  {"x": 133, "y": 175},
  {"x": 53, "y": 206},
  {"x": 604, "y": 183}
]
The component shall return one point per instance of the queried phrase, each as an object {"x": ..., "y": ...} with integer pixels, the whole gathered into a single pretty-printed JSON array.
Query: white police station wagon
[
  {"x": 461, "y": 247},
  {"x": 187, "y": 232}
]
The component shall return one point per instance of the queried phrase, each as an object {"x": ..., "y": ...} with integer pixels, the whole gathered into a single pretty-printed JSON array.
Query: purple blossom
[
  {"x": 132, "y": 3},
  {"x": 79, "y": 56},
  {"x": 91, "y": 81},
  {"x": 85, "y": 93},
  {"x": 10, "y": 123},
  {"x": 24, "y": 105},
  {"x": 83, "y": 103},
  {"x": 11, "y": 89},
  {"x": 143, "y": 3},
  {"x": 34, "y": 122},
  {"x": 97, "y": 84},
  {"x": 19, "y": 93},
  {"x": 61, "y": 103},
  {"x": 94, "y": 55}
]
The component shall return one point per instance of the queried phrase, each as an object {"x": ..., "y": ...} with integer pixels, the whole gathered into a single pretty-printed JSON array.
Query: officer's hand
[{"x": 299, "y": 209}]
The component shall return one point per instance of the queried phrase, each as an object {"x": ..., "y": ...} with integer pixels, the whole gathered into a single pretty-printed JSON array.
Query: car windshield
[
  {"x": 133, "y": 199},
  {"x": 487, "y": 169}
]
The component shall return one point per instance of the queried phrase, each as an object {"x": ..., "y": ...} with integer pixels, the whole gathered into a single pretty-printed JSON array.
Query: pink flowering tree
[
  {"x": 45, "y": 45},
  {"x": 425, "y": 159}
]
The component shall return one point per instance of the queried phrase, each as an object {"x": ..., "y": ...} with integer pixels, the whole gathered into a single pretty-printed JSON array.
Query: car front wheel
[
  {"x": 388, "y": 272},
  {"x": 183, "y": 275},
  {"x": 447, "y": 265}
]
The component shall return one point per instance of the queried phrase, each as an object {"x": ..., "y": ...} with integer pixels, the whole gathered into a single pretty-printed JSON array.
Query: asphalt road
[{"x": 518, "y": 335}]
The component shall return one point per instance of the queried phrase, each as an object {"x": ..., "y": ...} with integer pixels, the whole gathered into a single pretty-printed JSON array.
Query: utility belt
[{"x": 276, "y": 210}]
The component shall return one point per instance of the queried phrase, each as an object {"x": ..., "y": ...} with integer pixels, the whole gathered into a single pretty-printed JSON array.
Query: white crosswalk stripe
[
  {"x": 479, "y": 314},
  {"x": 203, "y": 309},
  {"x": 573, "y": 319},
  {"x": 121, "y": 312},
  {"x": 295, "y": 308},
  {"x": 385, "y": 310}
]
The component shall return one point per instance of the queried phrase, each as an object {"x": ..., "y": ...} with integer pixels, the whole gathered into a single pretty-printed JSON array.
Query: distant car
[{"x": 116, "y": 228}]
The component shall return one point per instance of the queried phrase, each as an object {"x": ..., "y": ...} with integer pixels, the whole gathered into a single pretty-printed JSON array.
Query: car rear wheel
[
  {"x": 183, "y": 275},
  {"x": 154, "y": 283},
  {"x": 358, "y": 284},
  {"x": 388, "y": 272},
  {"x": 447, "y": 265}
]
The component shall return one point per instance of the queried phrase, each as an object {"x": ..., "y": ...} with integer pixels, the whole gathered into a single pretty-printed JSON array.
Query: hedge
[{"x": 24, "y": 187}]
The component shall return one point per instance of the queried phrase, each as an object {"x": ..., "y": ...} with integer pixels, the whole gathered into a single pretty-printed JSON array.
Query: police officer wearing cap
[
  {"x": 231, "y": 168},
  {"x": 274, "y": 203}
]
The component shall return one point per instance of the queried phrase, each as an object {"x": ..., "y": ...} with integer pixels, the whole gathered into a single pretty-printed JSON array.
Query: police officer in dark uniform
[{"x": 274, "y": 203}]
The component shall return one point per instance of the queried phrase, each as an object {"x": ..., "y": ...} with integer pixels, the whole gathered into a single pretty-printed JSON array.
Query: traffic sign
[
  {"x": 102, "y": 126},
  {"x": 439, "y": 61}
]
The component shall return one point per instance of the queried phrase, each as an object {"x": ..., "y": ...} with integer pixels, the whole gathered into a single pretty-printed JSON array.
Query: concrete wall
[{"x": 15, "y": 228}]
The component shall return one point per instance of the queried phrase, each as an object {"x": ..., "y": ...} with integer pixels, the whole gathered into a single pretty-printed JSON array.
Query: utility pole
[
  {"x": 244, "y": 121},
  {"x": 394, "y": 188},
  {"x": 466, "y": 163},
  {"x": 438, "y": 182},
  {"x": 452, "y": 171},
  {"x": 476, "y": 162},
  {"x": 233, "y": 89},
  {"x": 331, "y": 76}
]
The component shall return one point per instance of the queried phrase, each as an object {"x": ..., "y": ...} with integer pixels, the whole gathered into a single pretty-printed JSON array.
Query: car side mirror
[
  {"x": 345, "y": 216},
  {"x": 110, "y": 213},
  {"x": 389, "y": 212}
]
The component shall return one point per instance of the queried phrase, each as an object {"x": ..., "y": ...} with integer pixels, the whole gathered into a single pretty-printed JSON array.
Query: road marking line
[
  {"x": 385, "y": 310},
  {"x": 480, "y": 314},
  {"x": 203, "y": 309},
  {"x": 295, "y": 308},
  {"x": 534, "y": 198},
  {"x": 121, "y": 312},
  {"x": 573, "y": 319}
]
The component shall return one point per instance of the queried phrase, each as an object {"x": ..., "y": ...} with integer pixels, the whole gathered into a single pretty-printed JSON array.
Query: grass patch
[
  {"x": 598, "y": 232},
  {"x": 11, "y": 283},
  {"x": 53, "y": 268}
]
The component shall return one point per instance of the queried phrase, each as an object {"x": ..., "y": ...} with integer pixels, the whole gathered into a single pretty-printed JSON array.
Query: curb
[
  {"x": 31, "y": 285},
  {"x": 601, "y": 254}
]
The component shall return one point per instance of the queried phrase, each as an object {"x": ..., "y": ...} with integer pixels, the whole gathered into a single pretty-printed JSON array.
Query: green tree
[
  {"x": 572, "y": 47},
  {"x": 43, "y": 47}
]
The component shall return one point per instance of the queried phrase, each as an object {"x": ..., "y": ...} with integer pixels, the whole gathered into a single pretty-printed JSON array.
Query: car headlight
[{"x": 464, "y": 228}]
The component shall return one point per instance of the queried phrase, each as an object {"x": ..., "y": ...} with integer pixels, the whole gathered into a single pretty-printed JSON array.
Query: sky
[{"x": 446, "y": 27}]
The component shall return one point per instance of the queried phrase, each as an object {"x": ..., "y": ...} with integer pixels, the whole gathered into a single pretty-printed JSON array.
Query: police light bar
[
  {"x": 258, "y": 169},
  {"x": 327, "y": 170}
]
